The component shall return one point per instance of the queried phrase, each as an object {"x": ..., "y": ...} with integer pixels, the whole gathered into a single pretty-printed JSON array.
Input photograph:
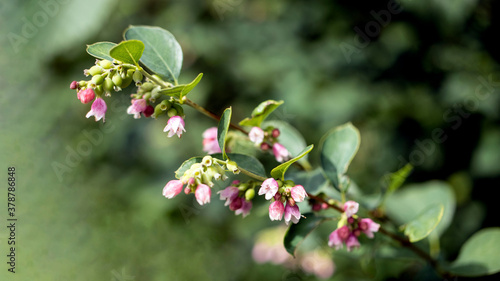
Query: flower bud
[
  {"x": 275, "y": 133},
  {"x": 147, "y": 86},
  {"x": 94, "y": 70},
  {"x": 117, "y": 79},
  {"x": 106, "y": 64},
  {"x": 157, "y": 111},
  {"x": 137, "y": 76},
  {"x": 232, "y": 166},
  {"x": 180, "y": 110},
  {"x": 73, "y": 85},
  {"x": 249, "y": 194},
  {"x": 165, "y": 105},
  {"x": 148, "y": 111},
  {"x": 155, "y": 93},
  {"x": 265, "y": 146},
  {"x": 108, "y": 85},
  {"x": 97, "y": 79},
  {"x": 85, "y": 96},
  {"x": 172, "y": 112}
]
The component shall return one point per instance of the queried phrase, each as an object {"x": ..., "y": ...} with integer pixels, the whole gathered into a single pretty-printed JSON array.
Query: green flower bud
[
  {"x": 94, "y": 70},
  {"x": 97, "y": 79},
  {"x": 147, "y": 96},
  {"x": 155, "y": 93},
  {"x": 147, "y": 86},
  {"x": 249, "y": 194},
  {"x": 232, "y": 166},
  {"x": 117, "y": 80},
  {"x": 82, "y": 84},
  {"x": 180, "y": 110},
  {"x": 106, "y": 64},
  {"x": 280, "y": 183},
  {"x": 130, "y": 72},
  {"x": 137, "y": 76},
  {"x": 172, "y": 112},
  {"x": 158, "y": 111},
  {"x": 126, "y": 81},
  {"x": 98, "y": 90},
  {"x": 165, "y": 105},
  {"x": 108, "y": 84},
  {"x": 289, "y": 183}
]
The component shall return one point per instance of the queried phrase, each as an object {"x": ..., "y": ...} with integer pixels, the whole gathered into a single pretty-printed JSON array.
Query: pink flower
[
  {"x": 85, "y": 96},
  {"x": 280, "y": 152},
  {"x": 350, "y": 208},
  {"x": 343, "y": 232},
  {"x": 276, "y": 210},
  {"x": 368, "y": 227},
  {"x": 210, "y": 142},
  {"x": 256, "y": 135},
  {"x": 292, "y": 213},
  {"x": 229, "y": 194},
  {"x": 148, "y": 111},
  {"x": 172, "y": 189},
  {"x": 98, "y": 110},
  {"x": 269, "y": 187},
  {"x": 352, "y": 242},
  {"x": 202, "y": 194},
  {"x": 175, "y": 125},
  {"x": 298, "y": 193},
  {"x": 245, "y": 208},
  {"x": 334, "y": 240},
  {"x": 138, "y": 106}
]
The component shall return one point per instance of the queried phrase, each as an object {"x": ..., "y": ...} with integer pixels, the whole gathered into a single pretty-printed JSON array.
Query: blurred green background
[{"x": 420, "y": 80}]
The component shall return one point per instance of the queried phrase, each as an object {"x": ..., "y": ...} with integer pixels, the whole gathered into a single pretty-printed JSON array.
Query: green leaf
[
  {"x": 186, "y": 165},
  {"x": 289, "y": 137},
  {"x": 298, "y": 232},
  {"x": 396, "y": 179},
  {"x": 129, "y": 51},
  {"x": 183, "y": 89},
  {"x": 261, "y": 112},
  {"x": 338, "y": 148},
  {"x": 409, "y": 200},
  {"x": 424, "y": 224},
  {"x": 279, "y": 171},
  {"x": 162, "y": 53},
  {"x": 480, "y": 255},
  {"x": 224, "y": 122},
  {"x": 100, "y": 50}
]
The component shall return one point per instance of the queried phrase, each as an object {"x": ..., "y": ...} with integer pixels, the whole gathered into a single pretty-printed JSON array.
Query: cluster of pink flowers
[
  {"x": 236, "y": 199},
  {"x": 284, "y": 199},
  {"x": 98, "y": 108},
  {"x": 174, "y": 187},
  {"x": 267, "y": 140},
  {"x": 350, "y": 227}
]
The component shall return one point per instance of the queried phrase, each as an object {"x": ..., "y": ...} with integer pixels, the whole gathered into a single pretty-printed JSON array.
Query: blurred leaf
[
  {"x": 424, "y": 224},
  {"x": 129, "y": 51},
  {"x": 312, "y": 181},
  {"x": 162, "y": 53},
  {"x": 413, "y": 199},
  {"x": 289, "y": 137},
  {"x": 480, "y": 255},
  {"x": 224, "y": 122},
  {"x": 186, "y": 165},
  {"x": 298, "y": 232},
  {"x": 261, "y": 112},
  {"x": 396, "y": 179},
  {"x": 183, "y": 89},
  {"x": 101, "y": 50},
  {"x": 338, "y": 148},
  {"x": 279, "y": 171}
]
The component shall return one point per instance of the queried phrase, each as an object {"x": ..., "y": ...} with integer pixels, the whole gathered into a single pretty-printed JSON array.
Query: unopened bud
[
  {"x": 275, "y": 133},
  {"x": 180, "y": 110},
  {"x": 147, "y": 86},
  {"x": 249, "y": 194},
  {"x": 165, "y": 105},
  {"x": 172, "y": 112},
  {"x": 155, "y": 93},
  {"x": 106, "y": 64},
  {"x": 232, "y": 166},
  {"x": 97, "y": 79},
  {"x": 94, "y": 70},
  {"x": 137, "y": 76},
  {"x": 158, "y": 111},
  {"x": 108, "y": 84},
  {"x": 265, "y": 146},
  {"x": 148, "y": 111},
  {"x": 117, "y": 79},
  {"x": 73, "y": 85}
]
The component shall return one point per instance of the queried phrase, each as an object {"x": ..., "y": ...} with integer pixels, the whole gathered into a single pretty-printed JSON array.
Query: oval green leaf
[
  {"x": 261, "y": 112},
  {"x": 162, "y": 53},
  {"x": 129, "y": 51},
  {"x": 224, "y": 122},
  {"x": 296, "y": 233},
  {"x": 480, "y": 255},
  {"x": 279, "y": 171},
  {"x": 424, "y": 224},
  {"x": 100, "y": 50},
  {"x": 183, "y": 89},
  {"x": 338, "y": 148},
  {"x": 413, "y": 199}
]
